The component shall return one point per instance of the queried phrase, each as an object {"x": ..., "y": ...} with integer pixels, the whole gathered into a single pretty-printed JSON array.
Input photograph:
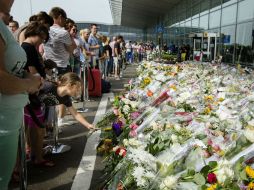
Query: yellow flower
[
  {"x": 209, "y": 98},
  {"x": 207, "y": 111},
  {"x": 212, "y": 187},
  {"x": 221, "y": 99},
  {"x": 250, "y": 186},
  {"x": 249, "y": 171},
  {"x": 147, "y": 80},
  {"x": 108, "y": 129},
  {"x": 221, "y": 153},
  {"x": 107, "y": 140},
  {"x": 173, "y": 87}
]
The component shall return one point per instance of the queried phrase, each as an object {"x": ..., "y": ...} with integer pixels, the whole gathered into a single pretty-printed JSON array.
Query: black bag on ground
[{"x": 105, "y": 86}]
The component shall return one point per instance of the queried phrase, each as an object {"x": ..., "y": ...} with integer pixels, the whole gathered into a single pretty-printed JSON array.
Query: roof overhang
[{"x": 140, "y": 13}]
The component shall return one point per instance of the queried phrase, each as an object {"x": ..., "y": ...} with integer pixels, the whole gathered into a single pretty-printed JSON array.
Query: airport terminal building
[{"x": 216, "y": 27}]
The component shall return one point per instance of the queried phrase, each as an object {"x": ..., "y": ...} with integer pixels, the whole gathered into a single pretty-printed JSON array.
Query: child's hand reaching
[{"x": 92, "y": 128}]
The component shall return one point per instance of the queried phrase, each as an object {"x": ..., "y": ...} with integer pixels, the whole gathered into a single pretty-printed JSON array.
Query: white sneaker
[{"x": 62, "y": 122}]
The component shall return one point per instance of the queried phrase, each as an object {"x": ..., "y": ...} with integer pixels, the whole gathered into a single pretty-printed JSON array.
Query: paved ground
[{"x": 61, "y": 176}]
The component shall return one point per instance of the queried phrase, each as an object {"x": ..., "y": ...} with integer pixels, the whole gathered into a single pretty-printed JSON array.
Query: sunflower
[
  {"x": 250, "y": 186},
  {"x": 249, "y": 171}
]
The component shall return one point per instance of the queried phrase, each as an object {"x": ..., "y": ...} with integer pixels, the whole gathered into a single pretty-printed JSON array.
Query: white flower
[
  {"x": 126, "y": 109},
  {"x": 251, "y": 122},
  {"x": 134, "y": 104},
  {"x": 126, "y": 101},
  {"x": 183, "y": 96},
  {"x": 177, "y": 127},
  {"x": 115, "y": 148},
  {"x": 224, "y": 173},
  {"x": 249, "y": 133},
  {"x": 174, "y": 138},
  {"x": 149, "y": 174},
  {"x": 168, "y": 183},
  {"x": 137, "y": 174},
  {"x": 121, "y": 152},
  {"x": 125, "y": 142},
  {"x": 140, "y": 156},
  {"x": 134, "y": 142}
]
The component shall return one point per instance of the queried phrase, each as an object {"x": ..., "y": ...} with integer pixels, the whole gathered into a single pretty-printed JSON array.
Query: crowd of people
[
  {"x": 40, "y": 68},
  {"x": 29, "y": 89}
]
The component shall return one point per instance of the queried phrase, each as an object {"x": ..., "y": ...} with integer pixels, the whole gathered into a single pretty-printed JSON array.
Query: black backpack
[{"x": 105, "y": 86}]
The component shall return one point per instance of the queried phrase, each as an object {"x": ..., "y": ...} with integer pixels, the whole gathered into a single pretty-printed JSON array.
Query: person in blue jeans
[
  {"x": 107, "y": 51},
  {"x": 15, "y": 85}
]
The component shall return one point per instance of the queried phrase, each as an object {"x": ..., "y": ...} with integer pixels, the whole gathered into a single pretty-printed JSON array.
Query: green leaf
[
  {"x": 160, "y": 146},
  {"x": 243, "y": 175},
  {"x": 203, "y": 187},
  {"x": 213, "y": 164},
  {"x": 199, "y": 179},
  {"x": 191, "y": 172},
  {"x": 205, "y": 170}
]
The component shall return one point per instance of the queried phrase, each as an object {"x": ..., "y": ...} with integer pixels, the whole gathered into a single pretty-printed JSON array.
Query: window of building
[
  {"x": 229, "y": 15},
  {"x": 214, "y": 19},
  {"x": 245, "y": 10},
  {"x": 188, "y": 23},
  {"x": 203, "y": 23},
  {"x": 228, "y": 41},
  {"x": 244, "y": 43},
  {"x": 195, "y": 24}
]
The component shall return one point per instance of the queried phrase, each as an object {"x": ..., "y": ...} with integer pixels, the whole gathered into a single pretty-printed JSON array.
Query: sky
[{"x": 97, "y": 11}]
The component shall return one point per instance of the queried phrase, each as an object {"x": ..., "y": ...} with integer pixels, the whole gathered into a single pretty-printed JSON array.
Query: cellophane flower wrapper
[{"x": 219, "y": 111}]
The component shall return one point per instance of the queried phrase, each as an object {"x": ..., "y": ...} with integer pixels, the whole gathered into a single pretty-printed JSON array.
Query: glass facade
[
  {"x": 230, "y": 20},
  {"x": 128, "y": 33}
]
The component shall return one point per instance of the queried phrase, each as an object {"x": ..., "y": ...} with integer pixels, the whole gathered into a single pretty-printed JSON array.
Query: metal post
[
  {"x": 84, "y": 69},
  {"x": 57, "y": 148},
  {"x": 22, "y": 158}
]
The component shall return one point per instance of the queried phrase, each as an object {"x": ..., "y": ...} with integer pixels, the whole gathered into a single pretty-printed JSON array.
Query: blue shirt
[{"x": 93, "y": 41}]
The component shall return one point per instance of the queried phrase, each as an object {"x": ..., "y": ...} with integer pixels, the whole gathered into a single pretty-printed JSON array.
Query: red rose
[
  {"x": 118, "y": 150},
  {"x": 211, "y": 178}
]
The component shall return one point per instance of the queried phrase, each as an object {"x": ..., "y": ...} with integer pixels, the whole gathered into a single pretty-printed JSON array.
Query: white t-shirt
[
  {"x": 56, "y": 47},
  {"x": 128, "y": 47},
  {"x": 112, "y": 45},
  {"x": 79, "y": 44}
]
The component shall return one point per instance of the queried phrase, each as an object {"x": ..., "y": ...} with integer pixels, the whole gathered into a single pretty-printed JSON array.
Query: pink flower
[
  {"x": 216, "y": 148},
  {"x": 206, "y": 154},
  {"x": 135, "y": 115},
  {"x": 133, "y": 126},
  {"x": 211, "y": 178},
  {"x": 210, "y": 142},
  {"x": 116, "y": 112},
  {"x": 133, "y": 133}
]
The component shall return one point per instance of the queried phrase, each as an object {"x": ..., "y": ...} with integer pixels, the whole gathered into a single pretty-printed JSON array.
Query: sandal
[{"x": 45, "y": 163}]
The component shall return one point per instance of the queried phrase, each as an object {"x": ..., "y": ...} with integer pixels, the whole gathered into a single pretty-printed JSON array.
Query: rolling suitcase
[{"x": 94, "y": 82}]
